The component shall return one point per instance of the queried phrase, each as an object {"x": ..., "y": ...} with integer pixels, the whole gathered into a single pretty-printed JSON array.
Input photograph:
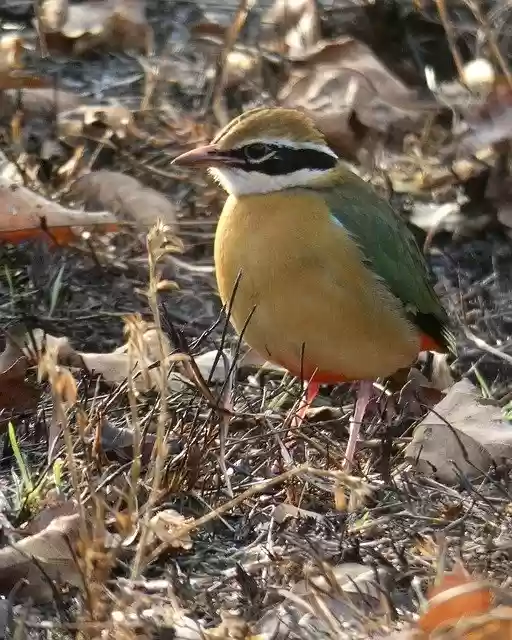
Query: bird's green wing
[{"x": 391, "y": 251}]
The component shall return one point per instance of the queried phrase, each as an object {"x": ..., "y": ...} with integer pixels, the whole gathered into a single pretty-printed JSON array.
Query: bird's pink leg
[
  {"x": 312, "y": 389},
  {"x": 364, "y": 395}
]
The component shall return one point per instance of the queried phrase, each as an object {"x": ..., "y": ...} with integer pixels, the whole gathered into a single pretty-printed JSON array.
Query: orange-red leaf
[
  {"x": 25, "y": 215},
  {"x": 58, "y": 235},
  {"x": 452, "y": 607}
]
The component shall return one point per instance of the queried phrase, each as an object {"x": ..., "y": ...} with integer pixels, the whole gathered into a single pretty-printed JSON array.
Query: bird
[{"x": 330, "y": 282}]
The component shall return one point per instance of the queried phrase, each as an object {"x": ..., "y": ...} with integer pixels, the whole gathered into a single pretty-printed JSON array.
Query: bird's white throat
[{"x": 238, "y": 182}]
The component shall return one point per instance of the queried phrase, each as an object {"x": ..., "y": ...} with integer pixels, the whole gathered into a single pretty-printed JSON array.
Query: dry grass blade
[
  {"x": 450, "y": 35},
  {"x": 482, "y": 344},
  {"x": 221, "y": 70},
  {"x": 185, "y": 530},
  {"x": 160, "y": 242}
]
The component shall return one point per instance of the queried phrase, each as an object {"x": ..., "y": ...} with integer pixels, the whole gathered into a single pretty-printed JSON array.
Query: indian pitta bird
[{"x": 331, "y": 283}]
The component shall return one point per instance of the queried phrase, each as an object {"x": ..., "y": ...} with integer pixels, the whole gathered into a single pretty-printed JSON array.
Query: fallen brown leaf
[
  {"x": 51, "y": 548},
  {"x": 5, "y": 618},
  {"x": 426, "y": 547},
  {"x": 344, "y": 593},
  {"x": 243, "y": 67},
  {"x": 498, "y": 192},
  {"x": 233, "y": 625},
  {"x": 53, "y": 14},
  {"x": 118, "y": 442},
  {"x": 126, "y": 198},
  {"x": 292, "y": 26},
  {"x": 336, "y": 79},
  {"x": 286, "y": 511},
  {"x": 111, "y": 24},
  {"x": 16, "y": 394},
  {"x": 17, "y": 79},
  {"x": 489, "y": 123},
  {"x": 464, "y": 433},
  {"x": 12, "y": 75},
  {"x": 11, "y": 52},
  {"x": 25, "y": 215},
  {"x": 164, "y": 526},
  {"x": 114, "y": 367},
  {"x": 34, "y": 103},
  {"x": 95, "y": 120},
  {"x": 53, "y": 505}
]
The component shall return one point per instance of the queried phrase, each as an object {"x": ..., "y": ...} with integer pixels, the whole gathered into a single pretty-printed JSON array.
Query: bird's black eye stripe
[{"x": 280, "y": 159}]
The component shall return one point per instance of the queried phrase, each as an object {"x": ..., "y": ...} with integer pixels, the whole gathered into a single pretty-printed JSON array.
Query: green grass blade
[{"x": 27, "y": 481}]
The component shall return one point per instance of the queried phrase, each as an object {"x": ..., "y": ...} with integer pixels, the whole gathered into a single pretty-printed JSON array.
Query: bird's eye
[{"x": 258, "y": 152}]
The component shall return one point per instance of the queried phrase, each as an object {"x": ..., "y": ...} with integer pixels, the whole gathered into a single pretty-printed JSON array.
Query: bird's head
[{"x": 265, "y": 150}]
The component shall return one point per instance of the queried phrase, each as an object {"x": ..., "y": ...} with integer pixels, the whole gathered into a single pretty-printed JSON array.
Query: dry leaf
[
  {"x": 164, "y": 526},
  {"x": 352, "y": 578},
  {"x": 426, "y": 546},
  {"x": 22, "y": 80},
  {"x": 113, "y": 367},
  {"x": 95, "y": 120},
  {"x": 126, "y": 198},
  {"x": 466, "y": 429},
  {"x": 498, "y": 626},
  {"x": 428, "y": 176},
  {"x": 241, "y": 67},
  {"x": 292, "y": 26},
  {"x": 183, "y": 627},
  {"x": 34, "y": 344},
  {"x": 205, "y": 363},
  {"x": 346, "y": 592},
  {"x": 53, "y": 505},
  {"x": 11, "y": 52},
  {"x": 498, "y": 192},
  {"x": 491, "y": 123},
  {"x": 37, "y": 103},
  {"x": 12, "y": 75},
  {"x": 5, "y": 619},
  {"x": 340, "y": 499},
  {"x": 16, "y": 394},
  {"x": 118, "y": 442},
  {"x": 448, "y": 603},
  {"x": 25, "y": 215},
  {"x": 435, "y": 218},
  {"x": 336, "y": 79},
  {"x": 51, "y": 548},
  {"x": 438, "y": 217},
  {"x": 111, "y": 24},
  {"x": 285, "y": 511},
  {"x": 53, "y": 14},
  {"x": 232, "y": 627}
]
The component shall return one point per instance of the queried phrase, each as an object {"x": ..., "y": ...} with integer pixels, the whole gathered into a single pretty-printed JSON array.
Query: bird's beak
[{"x": 208, "y": 155}]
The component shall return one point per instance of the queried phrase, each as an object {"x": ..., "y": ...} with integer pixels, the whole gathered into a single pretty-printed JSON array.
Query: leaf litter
[{"x": 193, "y": 508}]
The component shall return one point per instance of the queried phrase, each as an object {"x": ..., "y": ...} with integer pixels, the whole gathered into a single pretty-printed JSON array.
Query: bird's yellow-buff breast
[{"x": 317, "y": 309}]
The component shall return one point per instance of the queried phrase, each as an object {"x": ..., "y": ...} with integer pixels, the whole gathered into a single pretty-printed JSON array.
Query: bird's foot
[
  {"x": 310, "y": 392},
  {"x": 364, "y": 395}
]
